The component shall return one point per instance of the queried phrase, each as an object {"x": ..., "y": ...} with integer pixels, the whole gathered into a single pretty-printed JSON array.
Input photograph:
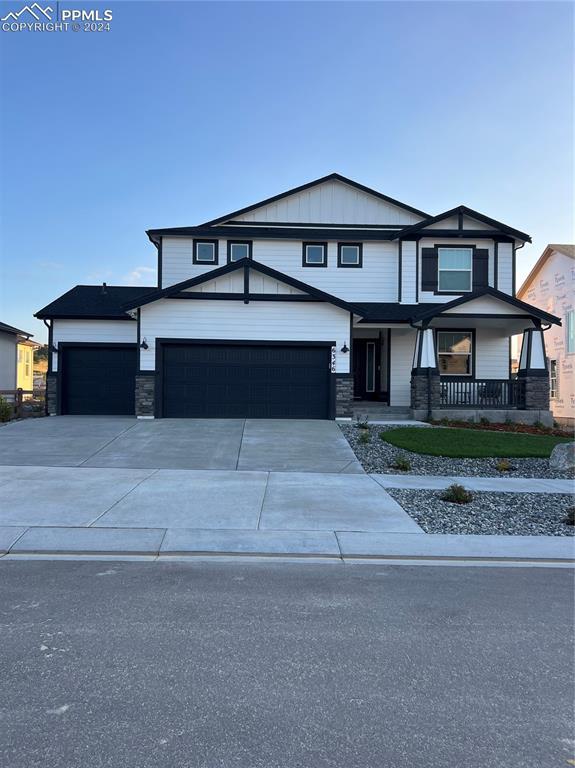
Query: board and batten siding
[
  {"x": 332, "y": 202},
  {"x": 233, "y": 320},
  {"x": 376, "y": 281},
  {"x": 93, "y": 331}
]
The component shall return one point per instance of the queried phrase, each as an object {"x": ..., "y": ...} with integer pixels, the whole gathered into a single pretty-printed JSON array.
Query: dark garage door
[
  {"x": 98, "y": 380},
  {"x": 246, "y": 381}
]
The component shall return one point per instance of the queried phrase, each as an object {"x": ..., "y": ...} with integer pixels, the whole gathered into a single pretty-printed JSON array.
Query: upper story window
[
  {"x": 570, "y": 332},
  {"x": 205, "y": 252},
  {"x": 455, "y": 353},
  {"x": 239, "y": 249},
  {"x": 455, "y": 269},
  {"x": 349, "y": 254},
  {"x": 314, "y": 255},
  {"x": 552, "y": 378}
]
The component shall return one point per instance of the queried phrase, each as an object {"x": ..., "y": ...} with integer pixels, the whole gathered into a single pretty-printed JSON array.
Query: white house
[
  {"x": 551, "y": 286},
  {"x": 298, "y": 305}
]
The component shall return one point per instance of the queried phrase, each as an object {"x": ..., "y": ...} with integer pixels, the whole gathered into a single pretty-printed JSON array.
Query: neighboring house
[
  {"x": 551, "y": 286},
  {"x": 297, "y": 305},
  {"x": 25, "y": 366},
  {"x": 10, "y": 340}
]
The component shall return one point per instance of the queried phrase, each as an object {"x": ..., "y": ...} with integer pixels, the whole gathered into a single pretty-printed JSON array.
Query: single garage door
[
  {"x": 246, "y": 381},
  {"x": 98, "y": 380}
]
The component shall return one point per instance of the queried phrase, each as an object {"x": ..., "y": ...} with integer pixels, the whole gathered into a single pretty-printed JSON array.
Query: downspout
[
  {"x": 49, "y": 327},
  {"x": 515, "y": 249}
]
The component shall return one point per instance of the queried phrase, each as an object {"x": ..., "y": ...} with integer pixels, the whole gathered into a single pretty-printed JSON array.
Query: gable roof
[
  {"x": 5, "y": 328},
  {"x": 564, "y": 248},
  {"x": 527, "y": 309},
  {"x": 309, "y": 185},
  {"x": 213, "y": 274},
  {"x": 463, "y": 210},
  {"x": 93, "y": 302}
]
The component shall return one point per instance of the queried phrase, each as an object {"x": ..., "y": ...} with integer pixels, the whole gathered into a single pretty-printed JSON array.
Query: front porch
[{"x": 453, "y": 361}]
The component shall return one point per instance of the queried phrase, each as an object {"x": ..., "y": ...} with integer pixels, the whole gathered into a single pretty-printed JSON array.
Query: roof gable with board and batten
[{"x": 333, "y": 199}]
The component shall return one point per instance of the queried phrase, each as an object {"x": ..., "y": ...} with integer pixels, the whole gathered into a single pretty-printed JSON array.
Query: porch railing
[{"x": 483, "y": 393}]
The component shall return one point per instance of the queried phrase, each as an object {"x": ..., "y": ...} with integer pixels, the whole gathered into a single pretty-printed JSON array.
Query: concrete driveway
[{"x": 230, "y": 444}]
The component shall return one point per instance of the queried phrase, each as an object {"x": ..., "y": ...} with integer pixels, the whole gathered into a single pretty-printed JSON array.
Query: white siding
[
  {"x": 375, "y": 281},
  {"x": 256, "y": 321},
  {"x": 409, "y": 269},
  {"x": 8, "y": 346},
  {"x": 428, "y": 296},
  {"x": 505, "y": 267},
  {"x": 332, "y": 202},
  {"x": 234, "y": 283},
  {"x": 491, "y": 354},
  {"x": 91, "y": 331},
  {"x": 402, "y": 348},
  {"x": 486, "y": 305}
]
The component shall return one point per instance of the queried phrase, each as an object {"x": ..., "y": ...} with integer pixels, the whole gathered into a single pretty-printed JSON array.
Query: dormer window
[
  {"x": 205, "y": 252},
  {"x": 455, "y": 269},
  {"x": 349, "y": 254},
  {"x": 314, "y": 255}
]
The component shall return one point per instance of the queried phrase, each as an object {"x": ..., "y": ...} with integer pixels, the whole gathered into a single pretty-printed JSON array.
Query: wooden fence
[{"x": 23, "y": 403}]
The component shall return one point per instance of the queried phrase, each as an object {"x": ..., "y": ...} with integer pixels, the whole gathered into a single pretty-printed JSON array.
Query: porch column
[
  {"x": 533, "y": 370},
  {"x": 425, "y": 393}
]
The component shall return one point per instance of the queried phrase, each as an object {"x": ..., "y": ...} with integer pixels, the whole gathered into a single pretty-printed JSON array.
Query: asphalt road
[{"x": 130, "y": 665}]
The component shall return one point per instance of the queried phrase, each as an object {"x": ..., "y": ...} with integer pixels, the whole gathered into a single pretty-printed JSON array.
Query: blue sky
[{"x": 184, "y": 111}]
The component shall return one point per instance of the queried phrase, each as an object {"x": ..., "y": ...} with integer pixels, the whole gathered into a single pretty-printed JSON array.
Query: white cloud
[{"x": 140, "y": 275}]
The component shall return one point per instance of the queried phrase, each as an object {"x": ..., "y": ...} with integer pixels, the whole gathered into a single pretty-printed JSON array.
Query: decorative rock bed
[
  {"x": 507, "y": 514},
  {"x": 376, "y": 455}
]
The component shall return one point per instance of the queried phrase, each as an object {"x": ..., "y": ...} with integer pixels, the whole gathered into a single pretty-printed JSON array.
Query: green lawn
[{"x": 469, "y": 443}]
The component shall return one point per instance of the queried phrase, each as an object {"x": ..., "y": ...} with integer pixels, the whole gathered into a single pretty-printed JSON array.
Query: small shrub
[
  {"x": 457, "y": 494},
  {"x": 401, "y": 463},
  {"x": 569, "y": 518},
  {"x": 362, "y": 422},
  {"x": 509, "y": 421},
  {"x": 5, "y": 410},
  {"x": 484, "y": 422},
  {"x": 364, "y": 438},
  {"x": 539, "y": 425},
  {"x": 503, "y": 465},
  {"x": 444, "y": 422}
]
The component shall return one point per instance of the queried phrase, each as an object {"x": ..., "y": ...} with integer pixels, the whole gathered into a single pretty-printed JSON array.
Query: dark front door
[
  {"x": 367, "y": 375},
  {"x": 98, "y": 380},
  {"x": 246, "y": 381}
]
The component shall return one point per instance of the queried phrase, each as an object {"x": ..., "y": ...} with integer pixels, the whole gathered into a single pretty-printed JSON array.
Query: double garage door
[{"x": 215, "y": 380}]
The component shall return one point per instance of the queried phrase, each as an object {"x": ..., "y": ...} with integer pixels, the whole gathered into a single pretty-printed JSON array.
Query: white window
[
  {"x": 570, "y": 332},
  {"x": 205, "y": 252},
  {"x": 314, "y": 254},
  {"x": 349, "y": 255},
  {"x": 237, "y": 251},
  {"x": 455, "y": 353},
  {"x": 552, "y": 378},
  {"x": 455, "y": 269}
]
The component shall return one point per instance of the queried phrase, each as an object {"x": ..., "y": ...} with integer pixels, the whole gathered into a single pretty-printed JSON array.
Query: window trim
[
  {"x": 567, "y": 314},
  {"x": 305, "y": 244},
  {"x": 553, "y": 391},
  {"x": 438, "y": 249},
  {"x": 359, "y": 247},
  {"x": 201, "y": 262},
  {"x": 455, "y": 376},
  {"x": 230, "y": 243}
]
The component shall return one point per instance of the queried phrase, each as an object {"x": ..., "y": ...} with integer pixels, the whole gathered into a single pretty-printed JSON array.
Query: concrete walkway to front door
[{"x": 232, "y": 444}]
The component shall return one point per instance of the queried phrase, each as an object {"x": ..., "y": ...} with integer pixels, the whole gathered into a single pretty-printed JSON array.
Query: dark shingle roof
[
  {"x": 94, "y": 301},
  {"x": 381, "y": 312},
  {"x": 5, "y": 328}
]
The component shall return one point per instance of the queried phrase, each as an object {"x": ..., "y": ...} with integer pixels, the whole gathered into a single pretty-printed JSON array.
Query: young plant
[
  {"x": 364, "y": 438},
  {"x": 484, "y": 422},
  {"x": 569, "y": 518},
  {"x": 401, "y": 463},
  {"x": 457, "y": 494},
  {"x": 362, "y": 422},
  {"x": 503, "y": 465},
  {"x": 5, "y": 410}
]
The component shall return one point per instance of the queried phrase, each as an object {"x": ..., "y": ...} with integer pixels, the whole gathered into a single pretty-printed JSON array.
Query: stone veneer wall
[
  {"x": 343, "y": 395},
  {"x": 51, "y": 394},
  {"x": 419, "y": 385},
  {"x": 536, "y": 392},
  {"x": 145, "y": 395}
]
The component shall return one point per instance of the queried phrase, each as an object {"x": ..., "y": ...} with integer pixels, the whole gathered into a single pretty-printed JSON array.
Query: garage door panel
[
  {"x": 245, "y": 381},
  {"x": 98, "y": 380}
]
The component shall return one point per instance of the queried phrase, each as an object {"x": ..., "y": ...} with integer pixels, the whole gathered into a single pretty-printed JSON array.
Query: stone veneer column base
[
  {"x": 536, "y": 392},
  {"x": 146, "y": 395},
  {"x": 343, "y": 395},
  {"x": 51, "y": 394},
  {"x": 420, "y": 401}
]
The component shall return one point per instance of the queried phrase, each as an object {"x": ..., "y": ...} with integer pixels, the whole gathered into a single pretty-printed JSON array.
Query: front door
[{"x": 366, "y": 369}]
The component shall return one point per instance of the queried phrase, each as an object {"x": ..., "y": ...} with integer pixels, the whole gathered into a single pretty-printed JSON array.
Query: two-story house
[{"x": 298, "y": 305}]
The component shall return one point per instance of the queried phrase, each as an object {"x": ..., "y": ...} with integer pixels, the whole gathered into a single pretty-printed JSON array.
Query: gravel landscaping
[
  {"x": 376, "y": 455},
  {"x": 510, "y": 514}
]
